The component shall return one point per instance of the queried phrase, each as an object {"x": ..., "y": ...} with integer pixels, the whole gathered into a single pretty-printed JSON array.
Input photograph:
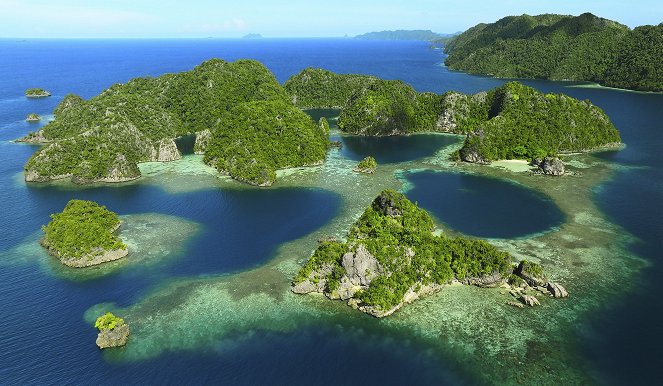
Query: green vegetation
[
  {"x": 260, "y": 137},
  {"x": 367, "y": 165},
  {"x": 389, "y": 107},
  {"x": 399, "y": 235},
  {"x": 522, "y": 123},
  {"x": 36, "y": 92},
  {"x": 511, "y": 121},
  {"x": 318, "y": 88},
  {"x": 82, "y": 230},
  {"x": 424, "y": 35},
  {"x": 108, "y": 321},
  {"x": 559, "y": 47},
  {"x": 104, "y": 138}
]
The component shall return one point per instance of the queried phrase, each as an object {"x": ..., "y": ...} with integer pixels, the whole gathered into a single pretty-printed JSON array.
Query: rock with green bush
[
  {"x": 83, "y": 235},
  {"x": 392, "y": 257},
  {"x": 33, "y": 117},
  {"x": 113, "y": 331},
  {"x": 37, "y": 93},
  {"x": 103, "y": 139},
  {"x": 368, "y": 165}
]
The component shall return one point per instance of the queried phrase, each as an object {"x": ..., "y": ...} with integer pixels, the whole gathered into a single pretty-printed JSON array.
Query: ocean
[{"x": 208, "y": 295}]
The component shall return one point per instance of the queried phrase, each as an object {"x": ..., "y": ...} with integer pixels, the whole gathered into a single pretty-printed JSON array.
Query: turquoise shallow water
[{"x": 223, "y": 238}]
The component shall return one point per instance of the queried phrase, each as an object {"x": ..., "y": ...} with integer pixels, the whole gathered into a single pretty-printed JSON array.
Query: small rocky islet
[
  {"x": 113, "y": 331},
  {"x": 83, "y": 235},
  {"x": 33, "y": 118},
  {"x": 392, "y": 257},
  {"x": 37, "y": 93}
]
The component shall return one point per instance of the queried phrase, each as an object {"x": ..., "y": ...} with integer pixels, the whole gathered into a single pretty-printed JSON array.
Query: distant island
[
  {"x": 244, "y": 122},
  {"x": 82, "y": 235},
  {"x": 561, "y": 47},
  {"x": 392, "y": 257},
  {"x": 252, "y": 36},
  {"x": 423, "y": 35},
  {"x": 513, "y": 121},
  {"x": 37, "y": 93}
]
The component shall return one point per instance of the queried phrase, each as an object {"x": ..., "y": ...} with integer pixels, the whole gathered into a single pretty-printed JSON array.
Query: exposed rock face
[
  {"x": 202, "y": 138},
  {"x": 361, "y": 267},
  {"x": 486, "y": 281},
  {"x": 364, "y": 170},
  {"x": 470, "y": 153},
  {"x": 410, "y": 296},
  {"x": 530, "y": 300},
  {"x": 113, "y": 338},
  {"x": 557, "y": 290},
  {"x": 168, "y": 151},
  {"x": 121, "y": 170},
  {"x": 33, "y": 118},
  {"x": 552, "y": 166},
  {"x": 515, "y": 304},
  {"x": 531, "y": 273},
  {"x": 386, "y": 205},
  {"x": 316, "y": 282}
]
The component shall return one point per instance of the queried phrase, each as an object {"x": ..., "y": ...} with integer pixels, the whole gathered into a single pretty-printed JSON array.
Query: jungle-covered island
[
  {"x": 562, "y": 47},
  {"x": 83, "y": 234},
  {"x": 391, "y": 257},
  {"x": 37, "y": 93},
  {"x": 512, "y": 121},
  {"x": 248, "y": 126},
  {"x": 245, "y": 125}
]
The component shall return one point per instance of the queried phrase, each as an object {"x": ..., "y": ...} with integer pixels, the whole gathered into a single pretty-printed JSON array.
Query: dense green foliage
[
  {"x": 559, "y": 47},
  {"x": 525, "y": 124},
  {"x": 388, "y": 107},
  {"x": 112, "y": 132},
  {"x": 400, "y": 236},
  {"x": 424, "y": 35},
  {"x": 259, "y": 137},
  {"x": 108, "y": 321},
  {"x": 638, "y": 61},
  {"x": 318, "y": 88},
  {"x": 367, "y": 164},
  {"x": 82, "y": 229},
  {"x": 32, "y": 92},
  {"x": 511, "y": 121}
]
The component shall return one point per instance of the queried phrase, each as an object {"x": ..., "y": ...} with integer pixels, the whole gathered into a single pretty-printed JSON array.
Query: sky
[{"x": 294, "y": 18}]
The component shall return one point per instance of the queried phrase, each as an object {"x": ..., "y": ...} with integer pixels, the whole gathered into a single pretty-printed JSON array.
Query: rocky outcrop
[
  {"x": 557, "y": 291},
  {"x": 470, "y": 151},
  {"x": 168, "y": 151},
  {"x": 551, "y": 166},
  {"x": 361, "y": 267},
  {"x": 316, "y": 282},
  {"x": 410, "y": 296},
  {"x": 202, "y": 138},
  {"x": 36, "y": 138},
  {"x": 121, "y": 170},
  {"x": 493, "y": 280},
  {"x": 33, "y": 118},
  {"x": 530, "y": 300},
  {"x": 95, "y": 259},
  {"x": 531, "y": 273},
  {"x": 116, "y": 337}
]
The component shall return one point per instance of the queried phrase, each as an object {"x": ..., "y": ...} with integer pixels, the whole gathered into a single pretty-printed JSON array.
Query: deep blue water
[
  {"x": 44, "y": 340},
  {"x": 483, "y": 207}
]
